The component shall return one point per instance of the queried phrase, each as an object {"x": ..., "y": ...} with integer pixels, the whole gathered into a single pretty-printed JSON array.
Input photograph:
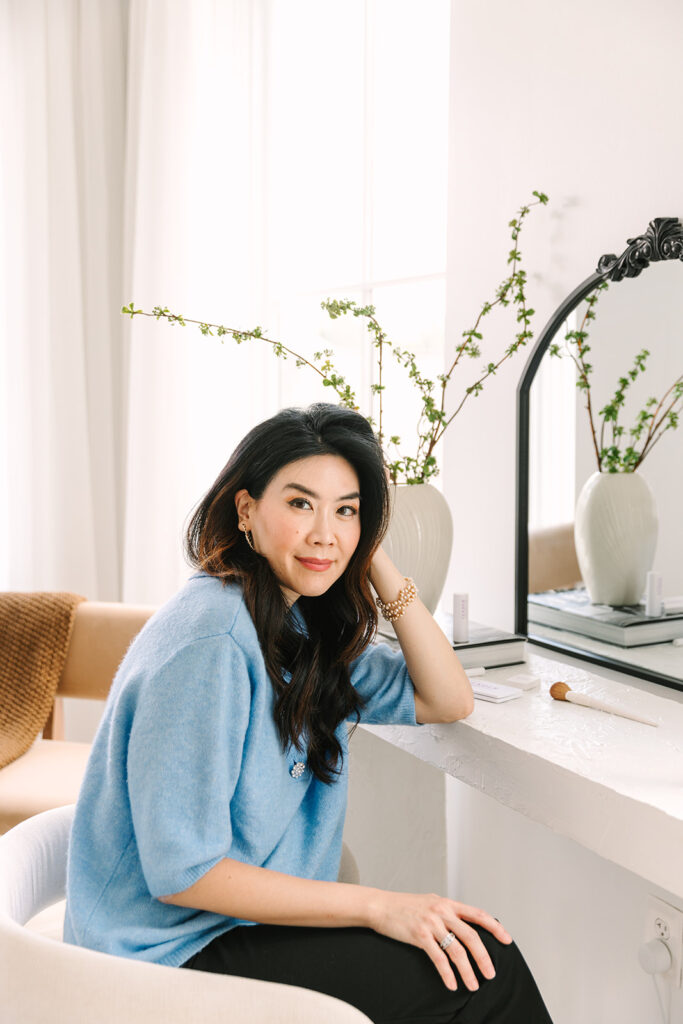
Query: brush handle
[{"x": 600, "y": 705}]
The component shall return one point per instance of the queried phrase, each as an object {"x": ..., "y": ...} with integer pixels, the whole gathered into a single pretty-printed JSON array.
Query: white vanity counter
[{"x": 611, "y": 784}]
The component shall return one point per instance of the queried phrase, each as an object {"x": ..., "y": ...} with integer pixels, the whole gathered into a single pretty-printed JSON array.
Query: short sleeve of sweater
[
  {"x": 380, "y": 675},
  {"x": 184, "y": 758}
]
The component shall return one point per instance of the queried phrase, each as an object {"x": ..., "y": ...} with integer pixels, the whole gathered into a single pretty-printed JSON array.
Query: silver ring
[{"x": 445, "y": 943}]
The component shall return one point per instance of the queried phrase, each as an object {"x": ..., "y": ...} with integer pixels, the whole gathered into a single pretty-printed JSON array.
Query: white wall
[
  {"x": 581, "y": 100},
  {"x": 395, "y": 823}
]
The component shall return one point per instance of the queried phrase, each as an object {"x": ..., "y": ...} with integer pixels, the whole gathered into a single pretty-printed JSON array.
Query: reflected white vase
[
  {"x": 420, "y": 538},
  {"x": 615, "y": 533}
]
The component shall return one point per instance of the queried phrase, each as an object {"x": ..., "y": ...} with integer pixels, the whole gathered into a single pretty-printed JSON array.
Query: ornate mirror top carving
[{"x": 663, "y": 240}]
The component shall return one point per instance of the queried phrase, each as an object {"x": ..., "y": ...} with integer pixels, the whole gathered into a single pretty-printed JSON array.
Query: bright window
[{"x": 356, "y": 183}]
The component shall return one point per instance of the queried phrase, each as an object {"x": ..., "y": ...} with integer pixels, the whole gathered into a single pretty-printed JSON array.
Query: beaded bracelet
[{"x": 395, "y": 609}]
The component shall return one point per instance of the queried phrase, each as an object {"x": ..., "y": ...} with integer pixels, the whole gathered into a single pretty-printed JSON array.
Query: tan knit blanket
[{"x": 35, "y": 630}]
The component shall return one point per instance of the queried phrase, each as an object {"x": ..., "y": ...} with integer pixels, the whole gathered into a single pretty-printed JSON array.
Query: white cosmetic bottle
[
  {"x": 461, "y": 631},
  {"x": 654, "y": 605}
]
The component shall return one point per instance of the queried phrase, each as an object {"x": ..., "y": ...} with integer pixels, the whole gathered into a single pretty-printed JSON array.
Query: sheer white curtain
[
  {"x": 62, "y": 110},
  {"x": 132, "y": 164},
  {"x": 195, "y": 243},
  {"x": 236, "y": 161}
]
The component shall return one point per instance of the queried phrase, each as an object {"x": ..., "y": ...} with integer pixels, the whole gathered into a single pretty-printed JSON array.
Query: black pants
[{"x": 389, "y": 981}]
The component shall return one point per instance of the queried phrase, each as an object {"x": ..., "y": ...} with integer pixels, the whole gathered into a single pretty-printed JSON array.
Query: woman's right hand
[
  {"x": 425, "y": 921},
  {"x": 252, "y": 893}
]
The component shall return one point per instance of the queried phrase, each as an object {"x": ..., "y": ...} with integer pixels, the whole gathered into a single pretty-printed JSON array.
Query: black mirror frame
[{"x": 663, "y": 240}]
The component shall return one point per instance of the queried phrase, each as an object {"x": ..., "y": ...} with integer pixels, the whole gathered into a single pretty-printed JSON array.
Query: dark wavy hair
[{"x": 339, "y": 623}]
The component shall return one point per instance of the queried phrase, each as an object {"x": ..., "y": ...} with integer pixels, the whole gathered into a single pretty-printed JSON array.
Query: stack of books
[
  {"x": 487, "y": 647},
  {"x": 624, "y": 626}
]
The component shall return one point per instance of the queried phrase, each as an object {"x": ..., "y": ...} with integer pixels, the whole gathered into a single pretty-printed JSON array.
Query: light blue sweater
[{"x": 187, "y": 768}]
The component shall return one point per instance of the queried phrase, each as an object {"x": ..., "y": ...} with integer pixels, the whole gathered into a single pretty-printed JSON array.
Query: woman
[{"x": 208, "y": 830}]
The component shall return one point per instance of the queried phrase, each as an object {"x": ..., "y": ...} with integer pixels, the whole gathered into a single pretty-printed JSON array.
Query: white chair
[{"x": 45, "y": 981}]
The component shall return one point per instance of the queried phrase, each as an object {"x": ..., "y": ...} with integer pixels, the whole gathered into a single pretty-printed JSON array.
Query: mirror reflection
[{"x": 630, "y": 353}]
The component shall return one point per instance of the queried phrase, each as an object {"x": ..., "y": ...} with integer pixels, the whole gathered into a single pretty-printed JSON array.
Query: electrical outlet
[{"x": 666, "y": 923}]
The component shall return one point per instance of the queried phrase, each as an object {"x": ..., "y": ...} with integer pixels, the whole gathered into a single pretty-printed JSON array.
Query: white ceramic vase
[
  {"x": 420, "y": 538},
  {"x": 615, "y": 532}
]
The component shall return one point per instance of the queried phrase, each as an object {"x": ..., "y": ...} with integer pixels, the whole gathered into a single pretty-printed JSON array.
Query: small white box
[{"x": 523, "y": 681}]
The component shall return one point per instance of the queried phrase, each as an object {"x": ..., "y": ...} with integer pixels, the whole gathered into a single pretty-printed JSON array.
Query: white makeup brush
[{"x": 561, "y": 691}]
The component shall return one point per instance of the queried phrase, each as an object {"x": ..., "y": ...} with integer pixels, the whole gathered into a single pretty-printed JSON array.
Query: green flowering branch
[
  {"x": 340, "y": 307},
  {"x": 434, "y": 419},
  {"x": 653, "y": 420},
  {"x": 511, "y": 289},
  {"x": 325, "y": 369},
  {"x": 668, "y": 418}
]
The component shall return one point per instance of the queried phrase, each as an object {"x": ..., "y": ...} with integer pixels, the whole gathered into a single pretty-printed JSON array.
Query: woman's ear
[{"x": 243, "y": 504}]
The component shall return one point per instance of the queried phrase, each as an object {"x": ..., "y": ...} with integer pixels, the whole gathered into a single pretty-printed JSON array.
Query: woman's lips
[{"x": 316, "y": 564}]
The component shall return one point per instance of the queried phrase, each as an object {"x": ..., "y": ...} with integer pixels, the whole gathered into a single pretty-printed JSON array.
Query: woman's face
[{"x": 306, "y": 523}]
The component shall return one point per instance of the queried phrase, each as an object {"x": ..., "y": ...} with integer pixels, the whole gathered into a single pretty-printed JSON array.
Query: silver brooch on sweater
[{"x": 297, "y": 769}]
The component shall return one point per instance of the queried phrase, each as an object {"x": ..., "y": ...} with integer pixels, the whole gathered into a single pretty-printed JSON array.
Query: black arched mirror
[{"x": 599, "y": 529}]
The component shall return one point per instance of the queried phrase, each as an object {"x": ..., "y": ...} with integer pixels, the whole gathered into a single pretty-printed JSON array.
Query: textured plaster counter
[{"x": 613, "y": 785}]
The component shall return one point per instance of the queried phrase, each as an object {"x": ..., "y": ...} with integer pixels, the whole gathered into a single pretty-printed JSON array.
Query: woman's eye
[
  {"x": 348, "y": 510},
  {"x": 300, "y": 503}
]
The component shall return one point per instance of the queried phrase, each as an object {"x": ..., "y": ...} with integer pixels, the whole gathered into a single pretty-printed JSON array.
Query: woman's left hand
[{"x": 426, "y": 920}]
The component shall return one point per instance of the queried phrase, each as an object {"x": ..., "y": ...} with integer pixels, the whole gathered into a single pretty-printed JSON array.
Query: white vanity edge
[{"x": 613, "y": 785}]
